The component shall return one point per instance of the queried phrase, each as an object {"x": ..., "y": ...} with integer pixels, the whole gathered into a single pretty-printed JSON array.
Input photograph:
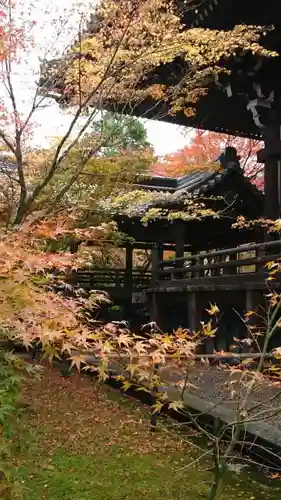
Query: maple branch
[
  {"x": 17, "y": 150},
  {"x": 57, "y": 158},
  {"x": 7, "y": 142}
]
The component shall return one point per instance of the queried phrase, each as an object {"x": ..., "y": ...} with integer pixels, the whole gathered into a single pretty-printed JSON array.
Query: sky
[
  {"x": 52, "y": 122},
  {"x": 53, "y": 17}
]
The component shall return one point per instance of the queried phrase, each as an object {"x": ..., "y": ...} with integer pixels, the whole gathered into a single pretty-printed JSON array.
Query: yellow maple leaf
[
  {"x": 176, "y": 405},
  {"x": 77, "y": 361},
  {"x": 157, "y": 407},
  {"x": 213, "y": 309}
]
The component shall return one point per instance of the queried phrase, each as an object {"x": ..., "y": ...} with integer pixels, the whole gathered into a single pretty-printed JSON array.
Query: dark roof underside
[{"x": 226, "y": 110}]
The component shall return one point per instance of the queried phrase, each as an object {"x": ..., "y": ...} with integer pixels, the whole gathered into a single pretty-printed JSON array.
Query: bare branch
[{"x": 57, "y": 158}]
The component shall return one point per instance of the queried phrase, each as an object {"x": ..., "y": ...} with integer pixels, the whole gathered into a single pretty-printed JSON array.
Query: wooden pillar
[
  {"x": 160, "y": 251},
  {"x": 271, "y": 157},
  {"x": 129, "y": 272},
  {"x": 253, "y": 301},
  {"x": 154, "y": 265},
  {"x": 260, "y": 252},
  {"x": 193, "y": 262},
  {"x": 154, "y": 308},
  {"x": 179, "y": 240},
  {"x": 192, "y": 311},
  {"x": 156, "y": 255},
  {"x": 232, "y": 269}
]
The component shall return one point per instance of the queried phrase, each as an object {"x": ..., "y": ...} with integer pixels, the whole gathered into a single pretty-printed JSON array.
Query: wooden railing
[
  {"x": 243, "y": 263},
  {"x": 108, "y": 279}
]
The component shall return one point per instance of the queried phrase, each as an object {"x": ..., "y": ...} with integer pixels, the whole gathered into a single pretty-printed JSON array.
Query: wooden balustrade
[
  {"x": 244, "y": 262},
  {"x": 110, "y": 278}
]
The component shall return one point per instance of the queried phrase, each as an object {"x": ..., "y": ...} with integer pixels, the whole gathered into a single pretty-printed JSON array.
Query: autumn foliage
[
  {"x": 128, "y": 39},
  {"x": 204, "y": 148}
]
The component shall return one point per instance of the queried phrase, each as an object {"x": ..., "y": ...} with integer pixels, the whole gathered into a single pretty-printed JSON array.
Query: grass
[{"x": 86, "y": 442}]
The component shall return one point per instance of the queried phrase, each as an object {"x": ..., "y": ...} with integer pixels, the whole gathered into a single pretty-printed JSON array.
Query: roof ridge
[{"x": 189, "y": 182}]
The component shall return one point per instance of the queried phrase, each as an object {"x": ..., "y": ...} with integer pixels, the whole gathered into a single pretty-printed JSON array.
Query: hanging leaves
[{"x": 132, "y": 39}]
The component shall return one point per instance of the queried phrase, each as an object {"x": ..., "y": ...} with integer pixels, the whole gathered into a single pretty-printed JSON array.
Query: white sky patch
[{"x": 57, "y": 25}]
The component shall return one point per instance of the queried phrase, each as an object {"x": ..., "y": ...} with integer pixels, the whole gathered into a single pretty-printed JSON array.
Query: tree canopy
[
  {"x": 140, "y": 49},
  {"x": 125, "y": 134}
]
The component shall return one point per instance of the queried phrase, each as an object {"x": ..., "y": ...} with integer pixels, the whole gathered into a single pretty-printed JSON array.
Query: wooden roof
[
  {"x": 224, "y": 109},
  {"x": 235, "y": 194},
  {"x": 212, "y": 181}
]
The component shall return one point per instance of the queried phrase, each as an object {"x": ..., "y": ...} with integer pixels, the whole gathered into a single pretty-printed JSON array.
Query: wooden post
[
  {"x": 192, "y": 311},
  {"x": 271, "y": 157},
  {"x": 260, "y": 252},
  {"x": 154, "y": 265},
  {"x": 201, "y": 273},
  {"x": 154, "y": 281},
  {"x": 232, "y": 269},
  {"x": 193, "y": 263},
  {"x": 179, "y": 239},
  {"x": 154, "y": 308},
  {"x": 253, "y": 300},
  {"x": 272, "y": 178},
  {"x": 219, "y": 270},
  {"x": 129, "y": 272},
  {"x": 160, "y": 251}
]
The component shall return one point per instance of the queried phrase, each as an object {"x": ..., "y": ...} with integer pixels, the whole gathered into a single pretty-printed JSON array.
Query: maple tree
[
  {"x": 103, "y": 175},
  {"x": 205, "y": 147},
  {"x": 136, "y": 37},
  {"x": 133, "y": 38},
  {"x": 54, "y": 192},
  {"x": 29, "y": 177},
  {"x": 127, "y": 42}
]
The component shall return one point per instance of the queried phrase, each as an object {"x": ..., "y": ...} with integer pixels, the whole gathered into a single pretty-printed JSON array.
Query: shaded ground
[{"x": 88, "y": 443}]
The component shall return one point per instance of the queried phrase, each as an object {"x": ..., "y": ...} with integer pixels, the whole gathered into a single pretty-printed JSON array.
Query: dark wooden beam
[
  {"x": 179, "y": 239},
  {"x": 272, "y": 164},
  {"x": 192, "y": 311},
  {"x": 129, "y": 270},
  {"x": 141, "y": 245},
  {"x": 271, "y": 151},
  {"x": 154, "y": 265}
]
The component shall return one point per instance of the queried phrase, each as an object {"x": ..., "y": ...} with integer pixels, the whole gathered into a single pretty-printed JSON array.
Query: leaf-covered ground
[{"x": 86, "y": 442}]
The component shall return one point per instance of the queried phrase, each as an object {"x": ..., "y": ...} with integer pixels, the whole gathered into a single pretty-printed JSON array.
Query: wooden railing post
[
  {"x": 160, "y": 251},
  {"x": 179, "y": 244},
  {"x": 117, "y": 279},
  {"x": 225, "y": 262},
  {"x": 260, "y": 252},
  {"x": 193, "y": 263},
  {"x": 154, "y": 265},
  {"x": 128, "y": 278},
  {"x": 219, "y": 270},
  {"x": 232, "y": 269}
]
